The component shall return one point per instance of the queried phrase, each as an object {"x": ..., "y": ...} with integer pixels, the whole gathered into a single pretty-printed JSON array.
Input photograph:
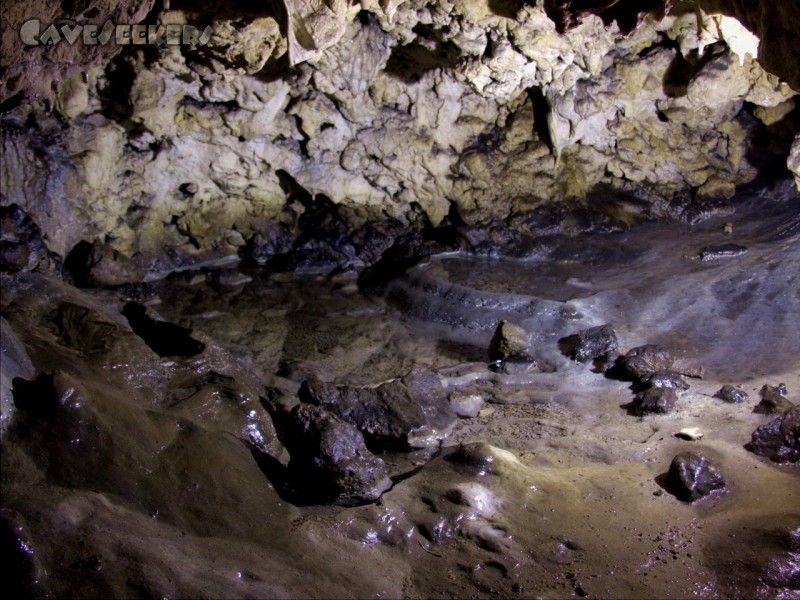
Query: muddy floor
[{"x": 127, "y": 474}]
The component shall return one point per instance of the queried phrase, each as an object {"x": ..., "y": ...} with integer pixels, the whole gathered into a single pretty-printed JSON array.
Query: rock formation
[{"x": 400, "y": 110}]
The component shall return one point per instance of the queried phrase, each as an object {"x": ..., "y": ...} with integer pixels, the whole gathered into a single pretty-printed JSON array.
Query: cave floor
[{"x": 155, "y": 477}]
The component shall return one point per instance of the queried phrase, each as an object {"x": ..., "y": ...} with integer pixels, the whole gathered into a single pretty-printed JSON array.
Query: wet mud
[{"x": 130, "y": 470}]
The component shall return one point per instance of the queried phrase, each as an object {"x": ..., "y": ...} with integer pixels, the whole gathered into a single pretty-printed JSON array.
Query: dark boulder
[
  {"x": 728, "y": 393},
  {"x": 412, "y": 412},
  {"x": 773, "y": 400},
  {"x": 655, "y": 400},
  {"x": 691, "y": 476},
  {"x": 779, "y": 440},
  {"x": 330, "y": 462},
  {"x": 591, "y": 343},
  {"x": 642, "y": 361}
]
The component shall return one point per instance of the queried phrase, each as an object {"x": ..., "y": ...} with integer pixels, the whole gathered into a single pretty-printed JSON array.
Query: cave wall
[{"x": 389, "y": 109}]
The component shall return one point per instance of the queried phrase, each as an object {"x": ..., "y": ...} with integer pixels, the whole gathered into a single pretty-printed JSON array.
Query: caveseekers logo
[{"x": 33, "y": 33}]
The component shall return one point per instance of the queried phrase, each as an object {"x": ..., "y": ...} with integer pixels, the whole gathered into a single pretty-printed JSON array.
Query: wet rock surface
[
  {"x": 691, "y": 476},
  {"x": 779, "y": 440},
  {"x": 591, "y": 344}
]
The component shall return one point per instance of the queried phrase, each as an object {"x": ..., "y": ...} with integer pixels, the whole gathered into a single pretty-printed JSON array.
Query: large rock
[
  {"x": 655, "y": 401},
  {"x": 773, "y": 400},
  {"x": 641, "y": 362},
  {"x": 779, "y": 440},
  {"x": 592, "y": 343},
  {"x": 330, "y": 461},
  {"x": 412, "y": 412},
  {"x": 691, "y": 476},
  {"x": 509, "y": 340}
]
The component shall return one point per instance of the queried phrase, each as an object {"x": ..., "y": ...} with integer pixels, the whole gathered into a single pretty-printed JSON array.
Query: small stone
[
  {"x": 773, "y": 400},
  {"x": 656, "y": 400},
  {"x": 692, "y": 476},
  {"x": 691, "y": 434},
  {"x": 667, "y": 379},
  {"x": 779, "y": 440},
  {"x": 728, "y": 393},
  {"x": 591, "y": 343},
  {"x": 508, "y": 340},
  {"x": 467, "y": 405}
]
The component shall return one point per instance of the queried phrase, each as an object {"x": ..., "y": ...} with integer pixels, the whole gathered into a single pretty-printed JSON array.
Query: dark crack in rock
[{"x": 691, "y": 476}]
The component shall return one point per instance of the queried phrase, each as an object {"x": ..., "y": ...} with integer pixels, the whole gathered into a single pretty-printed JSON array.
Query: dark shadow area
[
  {"x": 461, "y": 352},
  {"x": 165, "y": 339},
  {"x": 77, "y": 263},
  {"x": 36, "y": 398},
  {"x": 508, "y": 8},
  {"x": 628, "y": 14},
  {"x": 19, "y": 578},
  {"x": 682, "y": 70},
  {"x": 115, "y": 103},
  {"x": 541, "y": 110},
  {"x": 409, "y": 63},
  {"x": 771, "y": 144}
]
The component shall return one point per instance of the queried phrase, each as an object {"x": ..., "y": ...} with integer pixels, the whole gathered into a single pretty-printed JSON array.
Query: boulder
[
  {"x": 691, "y": 476},
  {"x": 412, "y": 412},
  {"x": 591, "y": 343},
  {"x": 655, "y": 400},
  {"x": 330, "y": 462},
  {"x": 509, "y": 340},
  {"x": 773, "y": 400},
  {"x": 640, "y": 362},
  {"x": 779, "y": 440}
]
